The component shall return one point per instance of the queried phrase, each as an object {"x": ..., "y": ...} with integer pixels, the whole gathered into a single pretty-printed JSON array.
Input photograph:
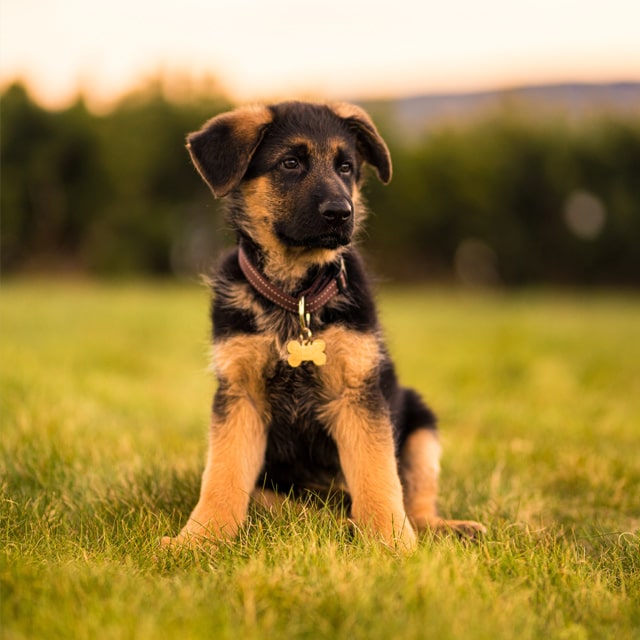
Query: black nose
[{"x": 336, "y": 211}]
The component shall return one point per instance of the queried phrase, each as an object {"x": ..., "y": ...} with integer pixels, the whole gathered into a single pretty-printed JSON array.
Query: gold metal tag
[{"x": 306, "y": 351}]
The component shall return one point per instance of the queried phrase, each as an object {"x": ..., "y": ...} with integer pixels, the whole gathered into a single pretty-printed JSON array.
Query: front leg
[
  {"x": 237, "y": 442},
  {"x": 357, "y": 418}
]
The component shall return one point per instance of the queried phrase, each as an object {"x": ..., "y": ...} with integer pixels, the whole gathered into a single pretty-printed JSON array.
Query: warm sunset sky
[{"x": 261, "y": 49}]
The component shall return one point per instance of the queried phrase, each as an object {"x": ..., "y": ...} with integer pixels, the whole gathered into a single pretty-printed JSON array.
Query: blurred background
[{"x": 514, "y": 129}]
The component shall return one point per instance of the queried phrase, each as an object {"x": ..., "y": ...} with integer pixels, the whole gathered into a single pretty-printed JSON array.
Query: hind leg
[{"x": 419, "y": 472}]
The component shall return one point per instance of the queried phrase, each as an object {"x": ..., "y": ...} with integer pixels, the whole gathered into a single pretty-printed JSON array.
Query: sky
[{"x": 333, "y": 49}]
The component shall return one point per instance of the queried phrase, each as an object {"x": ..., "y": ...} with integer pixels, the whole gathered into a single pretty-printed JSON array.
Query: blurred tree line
[{"x": 508, "y": 197}]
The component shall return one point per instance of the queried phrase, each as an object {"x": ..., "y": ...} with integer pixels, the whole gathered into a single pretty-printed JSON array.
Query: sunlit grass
[{"x": 104, "y": 403}]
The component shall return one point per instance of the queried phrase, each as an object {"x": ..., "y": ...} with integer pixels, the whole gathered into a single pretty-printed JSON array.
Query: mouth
[{"x": 322, "y": 241}]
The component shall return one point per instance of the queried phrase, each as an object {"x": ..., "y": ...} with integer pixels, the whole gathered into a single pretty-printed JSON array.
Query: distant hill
[{"x": 577, "y": 99}]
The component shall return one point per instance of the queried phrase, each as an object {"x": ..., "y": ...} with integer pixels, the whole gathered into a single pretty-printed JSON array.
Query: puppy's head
[{"x": 291, "y": 171}]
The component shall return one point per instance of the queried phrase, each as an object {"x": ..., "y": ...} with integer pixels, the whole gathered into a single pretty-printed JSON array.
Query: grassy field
[{"x": 105, "y": 399}]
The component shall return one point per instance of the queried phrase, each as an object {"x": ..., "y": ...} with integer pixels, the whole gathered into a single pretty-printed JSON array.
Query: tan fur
[
  {"x": 245, "y": 120},
  {"x": 347, "y": 110},
  {"x": 237, "y": 441},
  {"x": 286, "y": 267},
  {"x": 243, "y": 363},
  {"x": 236, "y": 453},
  {"x": 419, "y": 472},
  {"x": 269, "y": 500},
  {"x": 260, "y": 203},
  {"x": 364, "y": 438},
  {"x": 367, "y": 457},
  {"x": 351, "y": 358}
]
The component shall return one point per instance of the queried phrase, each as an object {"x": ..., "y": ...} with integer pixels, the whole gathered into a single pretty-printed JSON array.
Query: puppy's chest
[
  {"x": 293, "y": 395},
  {"x": 295, "y": 432}
]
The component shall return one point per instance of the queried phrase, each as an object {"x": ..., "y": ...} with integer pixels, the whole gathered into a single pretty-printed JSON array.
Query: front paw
[
  {"x": 191, "y": 540},
  {"x": 405, "y": 539},
  {"x": 181, "y": 542},
  {"x": 176, "y": 542},
  {"x": 396, "y": 534}
]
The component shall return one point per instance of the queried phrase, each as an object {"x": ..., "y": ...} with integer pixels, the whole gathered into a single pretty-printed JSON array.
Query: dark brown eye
[
  {"x": 345, "y": 167},
  {"x": 290, "y": 163}
]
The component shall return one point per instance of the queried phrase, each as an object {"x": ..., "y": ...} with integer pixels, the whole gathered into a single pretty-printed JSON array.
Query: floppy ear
[
  {"x": 370, "y": 142},
  {"x": 223, "y": 148}
]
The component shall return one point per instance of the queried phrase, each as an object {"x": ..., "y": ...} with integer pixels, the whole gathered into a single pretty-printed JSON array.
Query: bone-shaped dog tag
[{"x": 306, "y": 351}]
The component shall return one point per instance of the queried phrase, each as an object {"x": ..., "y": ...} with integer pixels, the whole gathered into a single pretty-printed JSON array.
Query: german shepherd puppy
[{"x": 307, "y": 395}]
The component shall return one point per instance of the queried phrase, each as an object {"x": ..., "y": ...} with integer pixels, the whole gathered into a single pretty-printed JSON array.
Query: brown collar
[{"x": 323, "y": 288}]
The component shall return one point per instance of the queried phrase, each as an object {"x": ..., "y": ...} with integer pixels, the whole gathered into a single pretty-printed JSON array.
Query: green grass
[{"x": 104, "y": 407}]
